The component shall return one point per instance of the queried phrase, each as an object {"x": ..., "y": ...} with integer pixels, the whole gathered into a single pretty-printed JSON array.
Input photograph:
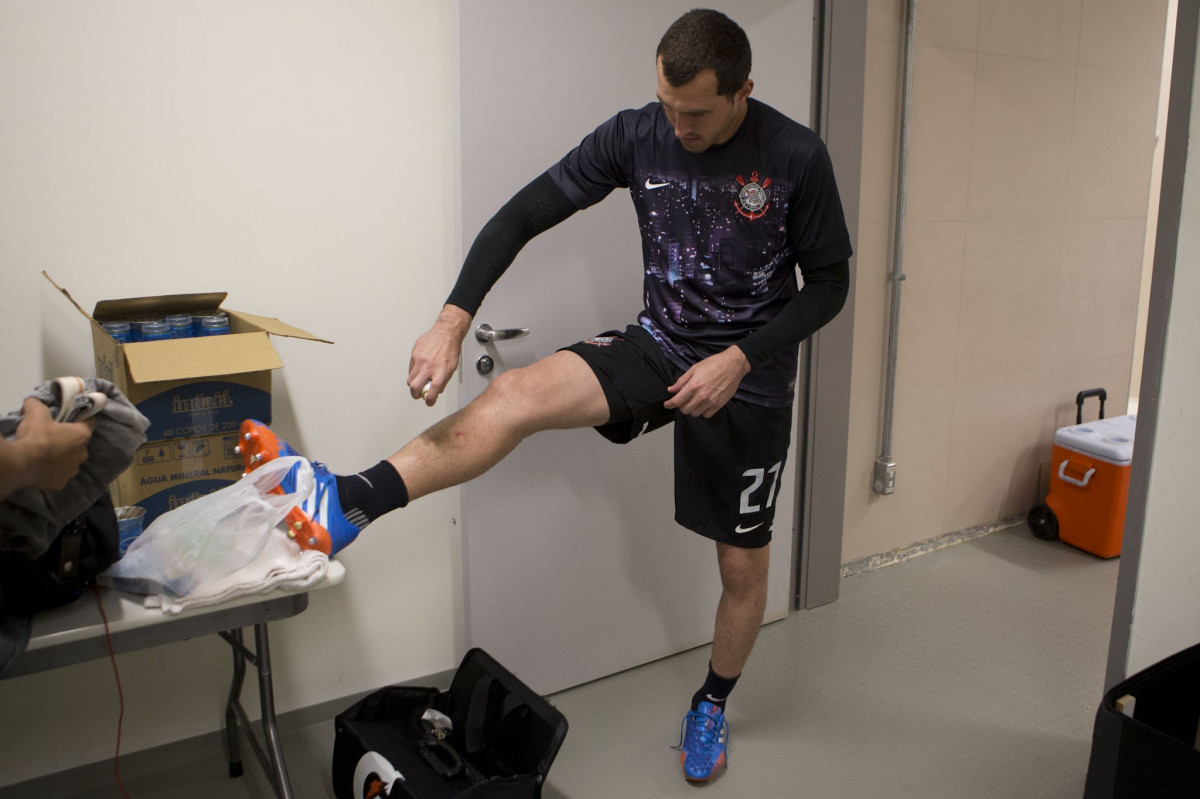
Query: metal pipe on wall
[{"x": 885, "y": 465}]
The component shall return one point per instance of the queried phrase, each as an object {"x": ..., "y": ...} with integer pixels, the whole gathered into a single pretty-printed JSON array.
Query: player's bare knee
[
  {"x": 743, "y": 571},
  {"x": 499, "y": 393},
  {"x": 510, "y": 397}
]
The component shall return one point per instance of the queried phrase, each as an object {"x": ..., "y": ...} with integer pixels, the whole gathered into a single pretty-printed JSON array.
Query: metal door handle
[{"x": 484, "y": 333}]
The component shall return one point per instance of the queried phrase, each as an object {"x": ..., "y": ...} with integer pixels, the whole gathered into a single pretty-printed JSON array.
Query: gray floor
[{"x": 973, "y": 671}]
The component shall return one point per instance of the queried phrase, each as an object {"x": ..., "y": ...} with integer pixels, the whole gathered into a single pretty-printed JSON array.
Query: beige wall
[
  {"x": 301, "y": 157},
  {"x": 1029, "y": 172}
]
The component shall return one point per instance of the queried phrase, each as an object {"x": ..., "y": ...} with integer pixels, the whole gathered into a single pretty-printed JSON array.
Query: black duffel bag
[
  {"x": 28, "y": 585},
  {"x": 489, "y": 737}
]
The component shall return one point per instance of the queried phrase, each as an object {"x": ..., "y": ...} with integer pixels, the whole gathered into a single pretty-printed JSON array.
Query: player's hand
[
  {"x": 54, "y": 451},
  {"x": 436, "y": 353},
  {"x": 709, "y": 384}
]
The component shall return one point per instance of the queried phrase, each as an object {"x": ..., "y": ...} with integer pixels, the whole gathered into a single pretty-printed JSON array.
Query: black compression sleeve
[
  {"x": 536, "y": 208},
  {"x": 819, "y": 300}
]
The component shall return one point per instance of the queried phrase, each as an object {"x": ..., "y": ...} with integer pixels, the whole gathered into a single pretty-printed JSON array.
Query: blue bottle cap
[
  {"x": 120, "y": 331},
  {"x": 214, "y": 325},
  {"x": 181, "y": 325},
  {"x": 198, "y": 320},
  {"x": 156, "y": 330}
]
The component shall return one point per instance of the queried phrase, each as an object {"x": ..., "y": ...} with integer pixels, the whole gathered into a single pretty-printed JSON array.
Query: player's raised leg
[{"x": 558, "y": 392}]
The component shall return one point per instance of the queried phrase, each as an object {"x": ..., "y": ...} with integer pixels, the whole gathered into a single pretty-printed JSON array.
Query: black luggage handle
[
  {"x": 442, "y": 758},
  {"x": 1082, "y": 395}
]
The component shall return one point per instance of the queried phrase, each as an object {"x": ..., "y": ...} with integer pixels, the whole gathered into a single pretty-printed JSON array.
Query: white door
[{"x": 574, "y": 566}]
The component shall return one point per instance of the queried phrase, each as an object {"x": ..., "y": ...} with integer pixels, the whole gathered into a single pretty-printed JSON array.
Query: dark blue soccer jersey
[{"x": 722, "y": 230}]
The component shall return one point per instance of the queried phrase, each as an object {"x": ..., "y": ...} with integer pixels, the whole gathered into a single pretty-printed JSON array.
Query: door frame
[
  {"x": 839, "y": 77},
  {"x": 1170, "y": 225}
]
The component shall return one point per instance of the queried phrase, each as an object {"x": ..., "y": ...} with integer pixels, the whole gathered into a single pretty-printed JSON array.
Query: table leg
[
  {"x": 235, "y": 693},
  {"x": 266, "y": 695}
]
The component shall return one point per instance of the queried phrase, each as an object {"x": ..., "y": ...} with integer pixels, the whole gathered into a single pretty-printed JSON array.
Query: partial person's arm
[
  {"x": 43, "y": 454},
  {"x": 534, "y": 209},
  {"x": 706, "y": 387},
  {"x": 819, "y": 300}
]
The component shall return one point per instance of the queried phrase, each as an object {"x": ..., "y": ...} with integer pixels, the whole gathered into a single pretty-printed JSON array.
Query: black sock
[
  {"x": 716, "y": 689},
  {"x": 371, "y": 493}
]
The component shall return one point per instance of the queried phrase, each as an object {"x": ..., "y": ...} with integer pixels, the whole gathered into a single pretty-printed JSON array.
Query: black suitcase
[{"x": 503, "y": 741}]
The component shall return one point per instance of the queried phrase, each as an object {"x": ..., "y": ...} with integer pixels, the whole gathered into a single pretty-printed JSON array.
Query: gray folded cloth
[{"x": 31, "y": 519}]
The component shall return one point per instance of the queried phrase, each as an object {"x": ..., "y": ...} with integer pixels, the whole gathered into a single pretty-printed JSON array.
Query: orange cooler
[{"x": 1089, "y": 483}]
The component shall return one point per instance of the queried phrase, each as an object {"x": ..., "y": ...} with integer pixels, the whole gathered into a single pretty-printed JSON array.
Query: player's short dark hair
[{"x": 705, "y": 39}]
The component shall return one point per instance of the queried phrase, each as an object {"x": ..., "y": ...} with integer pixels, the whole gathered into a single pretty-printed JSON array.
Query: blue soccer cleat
[
  {"x": 318, "y": 521},
  {"x": 704, "y": 737}
]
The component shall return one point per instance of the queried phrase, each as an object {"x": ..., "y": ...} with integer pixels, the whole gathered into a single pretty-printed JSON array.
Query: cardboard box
[
  {"x": 167, "y": 474},
  {"x": 194, "y": 391}
]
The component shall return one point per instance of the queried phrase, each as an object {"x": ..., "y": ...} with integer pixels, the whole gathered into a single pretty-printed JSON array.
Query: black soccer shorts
[{"x": 727, "y": 468}]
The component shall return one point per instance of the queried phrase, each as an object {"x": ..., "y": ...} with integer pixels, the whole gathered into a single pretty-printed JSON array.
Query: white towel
[{"x": 282, "y": 565}]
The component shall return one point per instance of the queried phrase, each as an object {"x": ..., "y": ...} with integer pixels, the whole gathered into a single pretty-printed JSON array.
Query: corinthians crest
[{"x": 752, "y": 201}]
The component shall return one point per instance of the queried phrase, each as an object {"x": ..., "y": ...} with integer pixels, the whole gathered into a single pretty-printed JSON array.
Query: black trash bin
[{"x": 1152, "y": 754}]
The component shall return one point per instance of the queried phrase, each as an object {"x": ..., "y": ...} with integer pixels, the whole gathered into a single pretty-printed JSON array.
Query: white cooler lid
[{"x": 1110, "y": 440}]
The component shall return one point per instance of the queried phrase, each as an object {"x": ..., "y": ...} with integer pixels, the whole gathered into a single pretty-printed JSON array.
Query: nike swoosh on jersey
[
  {"x": 740, "y": 529},
  {"x": 649, "y": 185}
]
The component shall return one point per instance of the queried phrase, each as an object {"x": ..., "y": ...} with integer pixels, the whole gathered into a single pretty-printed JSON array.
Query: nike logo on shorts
[
  {"x": 740, "y": 529},
  {"x": 651, "y": 185}
]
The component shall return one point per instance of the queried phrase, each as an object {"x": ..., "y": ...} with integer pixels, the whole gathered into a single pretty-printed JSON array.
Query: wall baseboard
[{"x": 879, "y": 560}]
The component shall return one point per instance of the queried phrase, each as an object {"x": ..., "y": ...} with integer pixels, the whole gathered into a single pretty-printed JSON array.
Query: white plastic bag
[{"x": 211, "y": 537}]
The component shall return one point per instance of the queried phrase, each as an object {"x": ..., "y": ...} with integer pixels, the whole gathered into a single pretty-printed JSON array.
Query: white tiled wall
[{"x": 1028, "y": 179}]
